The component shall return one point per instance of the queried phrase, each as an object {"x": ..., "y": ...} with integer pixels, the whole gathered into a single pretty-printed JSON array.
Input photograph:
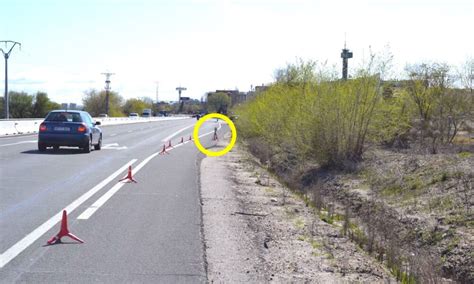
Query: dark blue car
[{"x": 69, "y": 128}]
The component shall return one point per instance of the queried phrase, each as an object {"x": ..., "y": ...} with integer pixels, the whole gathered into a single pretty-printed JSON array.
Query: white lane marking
[
  {"x": 104, "y": 198},
  {"x": 130, "y": 131},
  {"x": 113, "y": 146},
  {"x": 21, "y": 245},
  {"x": 176, "y": 133},
  {"x": 10, "y": 137},
  {"x": 21, "y": 142},
  {"x": 211, "y": 132},
  {"x": 101, "y": 201},
  {"x": 113, "y": 134}
]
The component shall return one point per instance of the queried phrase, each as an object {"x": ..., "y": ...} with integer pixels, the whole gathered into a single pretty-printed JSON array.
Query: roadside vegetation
[
  {"x": 24, "y": 105},
  {"x": 390, "y": 158}
]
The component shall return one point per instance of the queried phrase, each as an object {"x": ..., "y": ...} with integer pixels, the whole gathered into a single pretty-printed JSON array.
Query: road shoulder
[{"x": 256, "y": 230}]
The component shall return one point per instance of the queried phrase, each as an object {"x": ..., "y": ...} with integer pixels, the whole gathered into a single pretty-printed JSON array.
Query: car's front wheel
[{"x": 98, "y": 146}]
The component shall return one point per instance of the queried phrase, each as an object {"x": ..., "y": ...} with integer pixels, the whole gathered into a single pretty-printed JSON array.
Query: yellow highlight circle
[{"x": 232, "y": 139}]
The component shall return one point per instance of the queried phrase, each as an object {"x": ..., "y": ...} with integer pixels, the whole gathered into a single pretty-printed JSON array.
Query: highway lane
[{"x": 35, "y": 186}]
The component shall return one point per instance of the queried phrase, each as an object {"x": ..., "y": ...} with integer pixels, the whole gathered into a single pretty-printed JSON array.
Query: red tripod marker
[
  {"x": 215, "y": 138},
  {"x": 163, "y": 151},
  {"x": 190, "y": 138},
  {"x": 169, "y": 145},
  {"x": 63, "y": 232},
  {"x": 182, "y": 140},
  {"x": 129, "y": 176}
]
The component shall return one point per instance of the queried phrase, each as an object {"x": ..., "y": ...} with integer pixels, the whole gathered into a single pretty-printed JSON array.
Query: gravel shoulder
[{"x": 256, "y": 230}]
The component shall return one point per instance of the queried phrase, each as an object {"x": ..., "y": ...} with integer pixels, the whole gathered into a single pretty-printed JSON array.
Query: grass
[
  {"x": 290, "y": 213},
  {"x": 299, "y": 223},
  {"x": 392, "y": 189},
  {"x": 440, "y": 177},
  {"x": 441, "y": 203},
  {"x": 269, "y": 190},
  {"x": 315, "y": 244},
  {"x": 464, "y": 155}
]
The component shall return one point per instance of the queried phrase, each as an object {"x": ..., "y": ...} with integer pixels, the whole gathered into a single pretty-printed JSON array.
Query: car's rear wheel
[
  {"x": 55, "y": 148},
  {"x": 87, "y": 148},
  {"x": 98, "y": 146},
  {"x": 41, "y": 147}
]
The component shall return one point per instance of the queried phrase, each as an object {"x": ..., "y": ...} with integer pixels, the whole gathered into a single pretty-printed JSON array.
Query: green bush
[{"x": 325, "y": 119}]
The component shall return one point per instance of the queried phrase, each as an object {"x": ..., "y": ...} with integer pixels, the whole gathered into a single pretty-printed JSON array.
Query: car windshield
[{"x": 64, "y": 116}]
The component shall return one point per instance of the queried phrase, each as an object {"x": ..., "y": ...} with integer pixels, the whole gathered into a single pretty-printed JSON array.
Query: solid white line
[
  {"x": 101, "y": 201},
  {"x": 17, "y": 143},
  {"x": 176, "y": 133},
  {"x": 202, "y": 135},
  {"x": 104, "y": 198},
  {"x": 21, "y": 245}
]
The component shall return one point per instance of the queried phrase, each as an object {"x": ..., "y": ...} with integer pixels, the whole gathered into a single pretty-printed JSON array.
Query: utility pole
[
  {"x": 345, "y": 55},
  {"x": 107, "y": 89},
  {"x": 179, "y": 89},
  {"x": 6, "y": 102},
  {"x": 157, "y": 85}
]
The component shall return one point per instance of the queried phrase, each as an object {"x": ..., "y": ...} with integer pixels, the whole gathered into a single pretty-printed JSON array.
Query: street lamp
[{"x": 7, "y": 55}]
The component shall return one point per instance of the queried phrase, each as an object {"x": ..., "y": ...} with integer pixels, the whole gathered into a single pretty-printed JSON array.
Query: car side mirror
[{"x": 97, "y": 123}]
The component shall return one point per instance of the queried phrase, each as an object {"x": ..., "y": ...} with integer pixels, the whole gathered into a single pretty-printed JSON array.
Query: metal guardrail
[{"x": 31, "y": 125}]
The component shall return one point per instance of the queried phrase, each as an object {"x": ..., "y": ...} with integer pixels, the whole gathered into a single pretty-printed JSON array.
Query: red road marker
[
  {"x": 129, "y": 176},
  {"x": 63, "y": 232},
  {"x": 169, "y": 145},
  {"x": 182, "y": 140},
  {"x": 190, "y": 138},
  {"x": 163, "y": 151}
]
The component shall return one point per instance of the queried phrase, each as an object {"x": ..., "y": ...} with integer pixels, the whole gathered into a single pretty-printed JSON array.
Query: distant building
[
  {"x": 71, "y": 106},
  {"x": 236, "y": 97},
  {"x": 259, "y": 89},
  {"x": 256, "y": 91}
]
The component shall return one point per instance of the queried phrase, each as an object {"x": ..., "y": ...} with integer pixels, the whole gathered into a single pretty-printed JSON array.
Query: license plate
[{"x": 58, "y": 128}]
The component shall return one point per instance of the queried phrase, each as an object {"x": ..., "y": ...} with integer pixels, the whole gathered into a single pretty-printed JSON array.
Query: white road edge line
[
  {"x": 21, "y": 245},
  {"x": 104, "y": 198},
  {"x": 101, "y": 201},
  {"x": 176, "y": 133},
  {"x": 21, "y": 142},
  {"x": 219, "y": 128}
]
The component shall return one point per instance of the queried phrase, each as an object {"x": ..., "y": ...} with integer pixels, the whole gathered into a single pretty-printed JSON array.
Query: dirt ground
[{"x": 256, "y": 230}]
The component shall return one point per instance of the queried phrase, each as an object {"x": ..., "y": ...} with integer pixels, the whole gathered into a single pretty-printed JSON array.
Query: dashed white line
[{"x": 21, "y": 245}]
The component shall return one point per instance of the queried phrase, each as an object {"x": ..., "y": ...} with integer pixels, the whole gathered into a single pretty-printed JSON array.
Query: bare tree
[{"x": 466, "y": 74}]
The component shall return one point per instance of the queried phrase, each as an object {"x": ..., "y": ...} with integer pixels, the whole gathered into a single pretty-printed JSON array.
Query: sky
[{"x": 205, "y": 45}]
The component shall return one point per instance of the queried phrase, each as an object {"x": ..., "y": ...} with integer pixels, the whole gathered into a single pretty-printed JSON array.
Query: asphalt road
[{"x": 148, "y": 231}]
